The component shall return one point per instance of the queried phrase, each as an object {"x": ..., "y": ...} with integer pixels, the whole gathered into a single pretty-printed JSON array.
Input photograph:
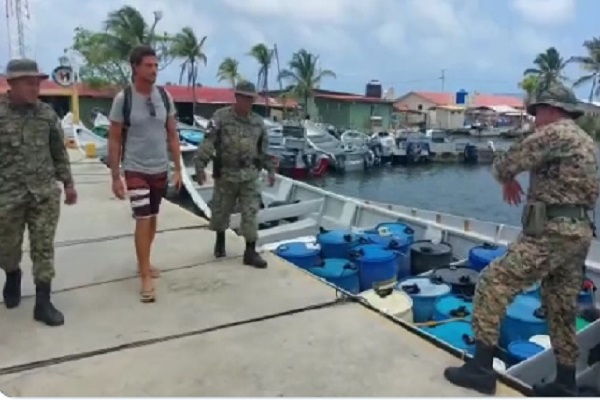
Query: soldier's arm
[
  {"x": 266, "y": 160},
  {"x": 60, "y": 156},
  {"x": 115, "y": 133},
  {"x": 524, "y": 155},
  {"x": 206, "y": 149}
]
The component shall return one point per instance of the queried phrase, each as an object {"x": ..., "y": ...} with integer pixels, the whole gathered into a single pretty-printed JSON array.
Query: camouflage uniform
[
  {"x": 563, "y": 167},
  {"x": 33, "y": 158},
  {"x": 238, "y": 183}
]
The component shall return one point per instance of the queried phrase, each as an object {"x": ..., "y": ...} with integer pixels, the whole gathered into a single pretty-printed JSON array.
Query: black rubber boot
[
  {"x": 44, "y": 310},
  {"x": 220, "y": 245},
  {"x": 252, "y": 258},
  {"x": 565, "y": 384},
  {"x": 478, "y": 373},
  {"x": 12, "y": 289}
]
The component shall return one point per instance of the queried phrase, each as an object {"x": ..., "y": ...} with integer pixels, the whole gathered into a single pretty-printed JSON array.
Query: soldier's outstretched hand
[
  {"x": 512, "y": 192},
  {"x": 70, "y": 195},
  {"x": 201, "y": 177}
]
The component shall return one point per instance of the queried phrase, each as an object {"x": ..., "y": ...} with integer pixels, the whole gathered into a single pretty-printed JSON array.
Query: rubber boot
[
  {"x": 477, "y": 373},
  {"x": 12, "y": 289},
  {"x": 565, "y": 384},
  {"x": 220, "y": 245},
  {"x": 44, "y": 310},
  {"x": 252, "y": 258}
]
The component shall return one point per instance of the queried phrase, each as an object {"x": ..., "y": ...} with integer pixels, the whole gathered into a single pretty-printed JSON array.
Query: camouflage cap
[
  {"x": 557, "y": 95},
  {"x": 245, "y": 88},
  {"x": 21, "y": 68}
]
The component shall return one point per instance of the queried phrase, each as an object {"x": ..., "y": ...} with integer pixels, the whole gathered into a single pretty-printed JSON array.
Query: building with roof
[
  {"x": 439, "y": 109},
  {"x": 208, "y": 99}
]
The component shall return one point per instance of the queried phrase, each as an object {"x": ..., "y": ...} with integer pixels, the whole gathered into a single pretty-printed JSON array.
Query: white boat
[
  {"x": 359, "y": 156},
  {"x": 384, "y": 145},
  {"x": 312, "y": 208}
]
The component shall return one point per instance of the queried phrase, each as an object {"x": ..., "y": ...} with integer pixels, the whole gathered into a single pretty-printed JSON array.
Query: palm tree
[
  {"x": 304, "y": 75},
  {"x": 126, "y": 28},
  {"x": 548, "y": 67},
  {"x": 264, "y": 57},
  {"x": 229, "y": 71},
  {"x": 529, "y": 85},
  {"x": 591, "y": 65},
  {"x": 187, "y": 47}
]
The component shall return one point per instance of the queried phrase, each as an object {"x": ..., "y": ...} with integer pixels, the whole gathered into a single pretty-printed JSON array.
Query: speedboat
[
  {"x": 383, "y": 145},
  {"x": 359, "y": 156},
  {"x": 323, "y": 141}
]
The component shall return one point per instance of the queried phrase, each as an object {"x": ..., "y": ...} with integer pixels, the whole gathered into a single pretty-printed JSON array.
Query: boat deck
[{"x": 217, "y": 328}]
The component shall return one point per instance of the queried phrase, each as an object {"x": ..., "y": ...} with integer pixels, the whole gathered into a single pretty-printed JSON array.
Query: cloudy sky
[{"x": 483, "y": 45}]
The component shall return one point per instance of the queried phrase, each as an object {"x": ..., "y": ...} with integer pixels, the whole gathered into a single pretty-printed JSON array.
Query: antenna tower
[{"x": 18, "y": 19}]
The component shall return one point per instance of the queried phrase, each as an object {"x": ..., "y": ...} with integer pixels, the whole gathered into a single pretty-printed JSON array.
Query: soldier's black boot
[
  {"x": 220, "y": 245},
  {"x": 477, "y": 373},
  {"x": 12, "y": 289},
  {"x": 252, "y": 258},
  {"x": 565, "y": 384},
  {"x": 44, "y": 310}
]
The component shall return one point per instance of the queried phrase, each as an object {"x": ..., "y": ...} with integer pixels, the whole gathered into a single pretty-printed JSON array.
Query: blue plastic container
[
  {"x": 424, "y": 294},
  {"x": 452, "y": 307},
  {"x": 378, "y": 267},
  {"x": 481, "y": 256},
  {"x": 521, "y": 321},
  {"x": 400, "y": 243},
  {"x": 520, "y": 350},
  {"x": 339, "y": 272},
  {"x": 458, "y": 334},
  {"x": 191, "y": 136},
  {"x": 301, "y": 254},
  {"x": 337, "y": 243},
  {"x": 397, "y": 229}
]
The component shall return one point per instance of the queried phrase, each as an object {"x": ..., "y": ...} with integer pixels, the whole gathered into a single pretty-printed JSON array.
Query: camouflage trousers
[
  {"x": 226, "y": 196},
  {"x": 555, "y": 258},
  {"x": 41, "y": 219}
]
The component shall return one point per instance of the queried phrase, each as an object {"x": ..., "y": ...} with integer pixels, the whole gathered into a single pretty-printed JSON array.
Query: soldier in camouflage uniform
[
  {"x": 563, "y": 167},
  {"x": 33, "y": 158},
  {"x": 240, "y": 137}
]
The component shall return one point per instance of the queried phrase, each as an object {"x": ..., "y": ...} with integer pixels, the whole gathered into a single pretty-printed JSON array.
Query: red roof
[
  {"x": 479, "y": 100},
  {"x": 180, "y": 94}
]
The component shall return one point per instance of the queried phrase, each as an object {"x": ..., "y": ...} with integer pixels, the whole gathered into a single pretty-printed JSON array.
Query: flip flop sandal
[{"x": 147, "y": 296}]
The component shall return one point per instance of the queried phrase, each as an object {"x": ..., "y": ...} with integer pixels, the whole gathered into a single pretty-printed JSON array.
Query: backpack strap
[
  {"x": 165, "y": 99},
  {"x": 126, "y": 110}
]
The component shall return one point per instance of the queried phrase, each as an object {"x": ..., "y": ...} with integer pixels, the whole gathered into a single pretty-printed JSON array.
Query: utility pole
[{"x": 443, "y": 79}]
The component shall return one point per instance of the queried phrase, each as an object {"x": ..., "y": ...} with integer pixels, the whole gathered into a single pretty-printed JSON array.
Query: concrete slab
[
  {"x": 107, "y": 260},
  {"x": 202, "y": 297},
  {"x": 344, "y": 351}
]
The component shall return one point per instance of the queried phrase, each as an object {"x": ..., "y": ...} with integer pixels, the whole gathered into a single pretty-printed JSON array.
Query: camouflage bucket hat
[
  {"x": 22, "y": 68},
  {"x": 245, "y": 88},
  {"x": 556, "y": 95}
]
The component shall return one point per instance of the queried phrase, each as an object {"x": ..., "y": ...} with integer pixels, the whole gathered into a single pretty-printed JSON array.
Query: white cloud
[{"x": 545, "y": 12}]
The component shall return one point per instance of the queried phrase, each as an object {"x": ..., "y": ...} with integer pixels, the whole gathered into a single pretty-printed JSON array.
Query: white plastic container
[{"x": 397, "y": 304}]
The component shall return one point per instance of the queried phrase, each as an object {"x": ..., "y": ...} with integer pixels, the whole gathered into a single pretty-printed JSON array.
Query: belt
[{"x": 566, "y": 211}]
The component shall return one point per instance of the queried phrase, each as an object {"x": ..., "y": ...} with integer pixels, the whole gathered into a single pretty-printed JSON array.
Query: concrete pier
[{"x": 217, "y": 328}]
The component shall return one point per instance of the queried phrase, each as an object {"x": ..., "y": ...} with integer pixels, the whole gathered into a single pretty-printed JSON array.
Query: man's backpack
[{"x": 126, "y": 110}]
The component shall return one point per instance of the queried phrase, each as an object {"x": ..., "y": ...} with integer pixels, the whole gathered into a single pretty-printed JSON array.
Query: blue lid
[
  {"x": 523, "y": 309},
  {"x": 426, "y": 288},
  {"x": 297, "y": 249},
  {"x": 372, "y": 253},
  {"x": 486, "y": 253},
  {"x": 393, "y": 241},
  {"x": 337, "y": 237},
  {"x": 446, "y": 305},
  {"x": 334, "y": 268},
  {"x": 523, "y": 349}
]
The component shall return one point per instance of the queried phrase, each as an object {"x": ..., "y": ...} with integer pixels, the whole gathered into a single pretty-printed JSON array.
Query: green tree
[
  {"x": 187, "y": 47},
  {"x": 529, "y": 84},
  {"x": 549, "y": 67},
  {"x": 264, "y": 57},
  {"x": 228, "y": 71},
  {"x": 304, "y": 75},
  {"x": 590, "y": 64}
]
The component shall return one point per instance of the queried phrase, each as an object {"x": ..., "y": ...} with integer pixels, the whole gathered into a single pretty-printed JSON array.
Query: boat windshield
[{"x": 321, "y": 139}]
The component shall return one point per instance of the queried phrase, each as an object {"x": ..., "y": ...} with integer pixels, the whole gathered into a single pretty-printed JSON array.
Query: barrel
[
  {"x": 521, "y": 350},
  {"x": 524, "y": 319},
  {"x": 397, "y": 229},
  {"x": 397, "y": 304},
  {"x": 458, "y": 334},
  {"x": 426, "y": 255},
  {"x": 461, "y": 279},
  {"x": 481, "y": 256},
  {"x": 390, "y": 241},
  {"x": 378, "y": 267},
  {"x": 424, "y": 293},
  {"x": 337, "y": 243},
  {"x": 301, "y": 254},
  {"x": 453, "y": 307},
  {"x": 339, "y": 272}
]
